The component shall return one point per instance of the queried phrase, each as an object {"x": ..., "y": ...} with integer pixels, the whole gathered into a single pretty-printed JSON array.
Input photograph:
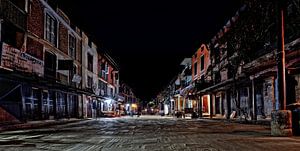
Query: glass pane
[
  {"x": 45, "y": 95},
  {"x": 35, "y": 93},
  {"x": 28, "y": 101}
]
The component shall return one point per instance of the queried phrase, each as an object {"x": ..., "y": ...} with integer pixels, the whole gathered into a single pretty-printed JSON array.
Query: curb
[
  {"x": 37, "y": 125},
  {"x": 258, "y": 122}
]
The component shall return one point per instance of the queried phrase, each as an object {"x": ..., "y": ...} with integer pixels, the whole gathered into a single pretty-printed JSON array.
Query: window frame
[
  {"x": 90, "y": 64},
  {"x": 195, "y": 68},
  {"x": 202, "y": 66},
  {"x": 72, "y": 46},
  {"x": 51, "y": 33}
]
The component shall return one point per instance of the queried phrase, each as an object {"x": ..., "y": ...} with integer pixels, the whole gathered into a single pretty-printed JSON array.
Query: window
[
  {"x": 72, "y": 73},
  {"x": 111, "y": 92},
  {"x": 103, "y": 88},
  {"x": 90, "y": 82},
  {"x": 202, "y": 62},
  {"x": 51, "y": 28},
  {"x": 195, "y": 68},
  {"x": 112, "y": 77},
  {"x": 90, "y": 43},
  {"x": 72, "y": 46},
  {"x": 90, "y": 62},
  {"x": 50, "y": 65}
]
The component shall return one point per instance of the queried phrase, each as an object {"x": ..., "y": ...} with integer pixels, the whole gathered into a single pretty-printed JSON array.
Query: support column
[
  {"x": 179, "y": 103},
  {"x": 66, "y": 105},
  {"x": 281, "y": 124},
  {"x": 228, "y": 104},
  {"x": 254, "y": 116},
  {"x": 40, "y": 105},
  {"x": 211, "y": 105},
  {"x": 55, "y": 105},
  {"x": 200, "y": 106},
  {"x": 183, "y": 105}
]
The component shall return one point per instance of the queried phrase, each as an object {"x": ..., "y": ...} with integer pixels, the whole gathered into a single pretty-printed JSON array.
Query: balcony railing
[{"x": 12, "y": 13}]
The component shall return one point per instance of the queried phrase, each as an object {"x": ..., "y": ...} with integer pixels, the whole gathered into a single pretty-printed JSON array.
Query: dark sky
[{"x": 150, "y": 38}]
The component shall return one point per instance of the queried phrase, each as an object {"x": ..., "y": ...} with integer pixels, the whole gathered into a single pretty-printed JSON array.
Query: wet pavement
[{"x": 147, "y": 133}]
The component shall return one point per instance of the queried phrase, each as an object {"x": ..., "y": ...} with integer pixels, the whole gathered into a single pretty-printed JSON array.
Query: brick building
[{"x": 49, "y": 67}]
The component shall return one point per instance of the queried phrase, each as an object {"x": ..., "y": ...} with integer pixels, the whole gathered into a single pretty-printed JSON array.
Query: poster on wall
[{"x": 14, "y": 59}]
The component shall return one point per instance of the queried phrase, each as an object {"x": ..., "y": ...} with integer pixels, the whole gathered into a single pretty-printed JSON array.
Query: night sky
[{"x": 147, "y": 38}]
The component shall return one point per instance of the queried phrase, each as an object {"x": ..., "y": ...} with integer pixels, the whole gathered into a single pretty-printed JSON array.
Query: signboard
[
  {"x": 14, "y": 59},
  {"x": 76, "y": 78}
]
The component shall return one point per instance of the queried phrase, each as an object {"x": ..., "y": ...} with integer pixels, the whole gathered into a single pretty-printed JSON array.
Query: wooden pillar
[
  {"x": 228, "y": 104},
  {"x": 238, "y": 103},
  {"x": 179, "y": 103},
  {"x": 200, "y": 106},
  {"x": 183, "y": 105},
  {"x": 66, "y": 105},
  {"x": 55, "y": 105},
  {"x": 211, "y": 105},
  {"x": 254, "y": 117},
  {"x": 40, "y": 105}
]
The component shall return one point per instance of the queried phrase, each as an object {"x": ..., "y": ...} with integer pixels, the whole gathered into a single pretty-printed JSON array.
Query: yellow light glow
[{"x": 134, "y": 105}]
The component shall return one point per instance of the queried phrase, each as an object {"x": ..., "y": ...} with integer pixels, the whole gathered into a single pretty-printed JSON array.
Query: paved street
[{"x": 147, "y": 133}]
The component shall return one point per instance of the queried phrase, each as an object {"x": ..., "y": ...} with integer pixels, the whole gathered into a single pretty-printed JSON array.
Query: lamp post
[{"x": 281, "y": 124}]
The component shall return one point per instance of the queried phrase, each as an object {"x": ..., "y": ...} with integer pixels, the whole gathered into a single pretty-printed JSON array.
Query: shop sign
[{"x": 14, "y": 59}]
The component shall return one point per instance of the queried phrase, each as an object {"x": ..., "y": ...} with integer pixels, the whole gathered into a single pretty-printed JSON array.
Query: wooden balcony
[{"x": 10, "y": 12}]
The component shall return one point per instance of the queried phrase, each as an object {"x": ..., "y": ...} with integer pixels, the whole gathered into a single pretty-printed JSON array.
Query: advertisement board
[{"x": 14, "y": 59}]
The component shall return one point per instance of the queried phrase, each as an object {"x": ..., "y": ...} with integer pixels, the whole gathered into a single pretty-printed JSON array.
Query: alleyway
[{"x": 147, "y": 133}]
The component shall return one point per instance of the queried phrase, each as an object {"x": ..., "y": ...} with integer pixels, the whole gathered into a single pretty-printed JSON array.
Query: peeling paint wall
[{"x": 269, "y": 96}]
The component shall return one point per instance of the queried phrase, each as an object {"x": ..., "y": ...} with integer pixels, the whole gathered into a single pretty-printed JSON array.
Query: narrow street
[{"x": 147, "y": 133}]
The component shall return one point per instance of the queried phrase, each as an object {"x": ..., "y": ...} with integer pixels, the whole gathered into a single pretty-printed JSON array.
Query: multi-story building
[
  {"x": 108, "y": 77},
  {"x": 48, "y": 66},
  {"x": 234, "y": 75},
  {"x": 39, "y": 61},
  {"x": 184, "y": 85},
  {"x": 243, "y": 63},
  {"x": 130, "y": 100},
  {"x": 201, "y": 78},
  {"x": 89, "y": 75}
]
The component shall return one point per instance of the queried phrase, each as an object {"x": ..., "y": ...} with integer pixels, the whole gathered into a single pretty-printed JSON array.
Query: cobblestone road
[{"x": 147, "y": 133}]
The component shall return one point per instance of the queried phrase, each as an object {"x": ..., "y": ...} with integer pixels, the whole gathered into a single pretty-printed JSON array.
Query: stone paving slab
[
  {"x": 36, "y": 124},
  {"x": 153, "y": 133}
]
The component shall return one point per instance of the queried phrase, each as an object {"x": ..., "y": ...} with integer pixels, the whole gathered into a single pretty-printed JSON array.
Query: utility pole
[
  {"x": 280, "y": 57},
  {"x": 281, "y": 124}
]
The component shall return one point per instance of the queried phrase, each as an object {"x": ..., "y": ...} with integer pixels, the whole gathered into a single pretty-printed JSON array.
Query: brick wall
[
  {"x": 35, "y": 22},
  {"x": 35, "y": 48},
  {"x": 63, "y": 39},
  {"x": 78, "y": 47}
]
